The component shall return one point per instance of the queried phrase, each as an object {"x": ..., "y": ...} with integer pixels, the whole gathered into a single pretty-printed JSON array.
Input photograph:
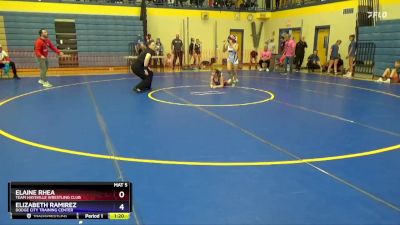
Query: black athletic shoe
[{"x": 17, "y": 77}]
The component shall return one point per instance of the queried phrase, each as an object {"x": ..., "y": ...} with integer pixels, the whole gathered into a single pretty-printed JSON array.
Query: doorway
[
  {"x": 67, "y": 42},
  {"x": 321, "y": 42}
]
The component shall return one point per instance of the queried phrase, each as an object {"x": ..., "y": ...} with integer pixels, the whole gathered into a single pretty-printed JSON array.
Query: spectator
[
  {"x": 168, "y": 61},
  {"x": 197, "y": 52},
  {"x": 191, "y": 51},
  {"x": 139, "y": 47},
  {"x": 300, "y": 51},
  {"x": 5, "y": 62},
  {"x": 253, "y": 59},
  {"x": 334, "y": 57},
  {"x": 177, "y": 49},
  {"x": 266, "y": 56},
  {"x": 271, "y": 45},
  {"x": 339, "y": 65},
  {"x": 314, "y": 62},
  {"x": 351, "y": 55},
  {"x": 159, "y": 50},
  {"x": 282, "y": 41},
  {"x": 391, "y": 76},
  {"x": 147, "y": 39},
  {"x": 289, "y": 51},
  {"x": 180, "y": 1}
]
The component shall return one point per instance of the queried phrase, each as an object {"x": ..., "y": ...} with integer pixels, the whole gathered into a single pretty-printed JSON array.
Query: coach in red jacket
[{"x": 42, "y": 46}]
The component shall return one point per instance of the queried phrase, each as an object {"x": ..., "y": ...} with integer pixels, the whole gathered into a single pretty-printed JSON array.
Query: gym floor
[{"x": 296, "y": 149}]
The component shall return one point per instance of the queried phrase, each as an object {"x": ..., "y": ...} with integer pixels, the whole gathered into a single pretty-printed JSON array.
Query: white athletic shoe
[
  {"x": 267, "y": 70},
  {"x": 386, "y": 81},
  {"x": 380, "y": 80},
  {"x": 47, "y": 85},
  {"x": 41, "y": 81},
  {"x": 260, "y": 69}
]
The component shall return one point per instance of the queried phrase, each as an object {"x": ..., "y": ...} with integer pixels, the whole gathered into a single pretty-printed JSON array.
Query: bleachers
[
  {"x": 105, "y": 37},
  {"x": 386, "y": 36}
]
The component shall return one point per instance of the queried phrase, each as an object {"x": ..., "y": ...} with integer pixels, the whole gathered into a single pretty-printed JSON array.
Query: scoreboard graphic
[{"x": 70, "y": 200}]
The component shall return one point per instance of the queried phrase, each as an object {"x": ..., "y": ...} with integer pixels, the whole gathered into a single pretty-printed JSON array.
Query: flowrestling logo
[{"x": 380, "y": 15}]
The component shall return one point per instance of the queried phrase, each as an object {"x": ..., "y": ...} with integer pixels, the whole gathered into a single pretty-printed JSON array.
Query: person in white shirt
[{"x": 5, "y": 62}]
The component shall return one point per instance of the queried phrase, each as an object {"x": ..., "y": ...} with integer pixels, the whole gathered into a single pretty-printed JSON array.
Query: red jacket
[{"x": 41, "y": 47}]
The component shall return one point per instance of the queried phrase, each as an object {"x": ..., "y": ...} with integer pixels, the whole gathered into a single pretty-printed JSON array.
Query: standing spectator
[
  {"x": 253, "y": 58},
  {"x": 147, "y": 39},
  {"x": 178, "y": 1},
  {"x": 351, "y": 55},
  {"x": 300, "y": 51},
  {"x": 282, "y": 42},
  {"x": 271, "y": 45},
  {"x": 197, "y": 52},
  {"x": 41, "y": 51},
  {"x": 277, "y": 3},
  {"x": 177, "y": 49},
  {"x": 266, "y": 56},
  {"x": 314, "y": 62},
  {"x": 334, "y": 57},
  {"x": 191, "y": 51},
  {"x": 139, "y": 47},
  {"x": 159, "y": 50},
  {"x": 284, "y": 3},
  {"x": 289, "y": 51},
  {"x": 6, "y": 62}
]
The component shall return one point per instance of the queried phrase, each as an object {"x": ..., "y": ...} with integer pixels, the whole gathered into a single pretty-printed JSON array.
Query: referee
[{"x": 141, "y": 68}]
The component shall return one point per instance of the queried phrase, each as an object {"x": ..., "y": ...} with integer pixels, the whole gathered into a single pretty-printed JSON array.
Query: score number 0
[{"x": 121, "y": 194}]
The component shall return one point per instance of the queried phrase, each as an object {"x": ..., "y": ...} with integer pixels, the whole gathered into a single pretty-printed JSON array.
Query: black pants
[
  {"x": 312, "y": 66},
  {"x": 145, "y": 84},
  {"x": 12, "y": 64},
  {"x": 264, "y": 61},
  {"x": 177, "y": 54},
  {"x": 298, "y": 61}
]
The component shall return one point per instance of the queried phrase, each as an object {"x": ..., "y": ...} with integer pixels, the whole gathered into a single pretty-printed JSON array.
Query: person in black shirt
[
  {"x": 282, "y": 42},
  {"x": 141, "y": 68},
  {"x": 191, "y": 51},
  {"x": 300, "y": 51},
  {"x": 197, "y": 53},
  {"x": 314, "y": 62},
  {"x": 177, "y": 49}
]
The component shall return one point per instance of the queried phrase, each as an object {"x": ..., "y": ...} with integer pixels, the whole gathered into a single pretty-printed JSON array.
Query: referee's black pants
[{"x": 145, "y": 84}]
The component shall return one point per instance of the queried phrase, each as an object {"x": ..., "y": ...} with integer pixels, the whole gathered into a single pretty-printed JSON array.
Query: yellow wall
[
  {"x": 307, "y": 18},
  {"x": 165, "y": 23},
  {"x": 392, "y": 7},
  {"x": 202, "y": 29},
  {"x": 341, "y": 26}
]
